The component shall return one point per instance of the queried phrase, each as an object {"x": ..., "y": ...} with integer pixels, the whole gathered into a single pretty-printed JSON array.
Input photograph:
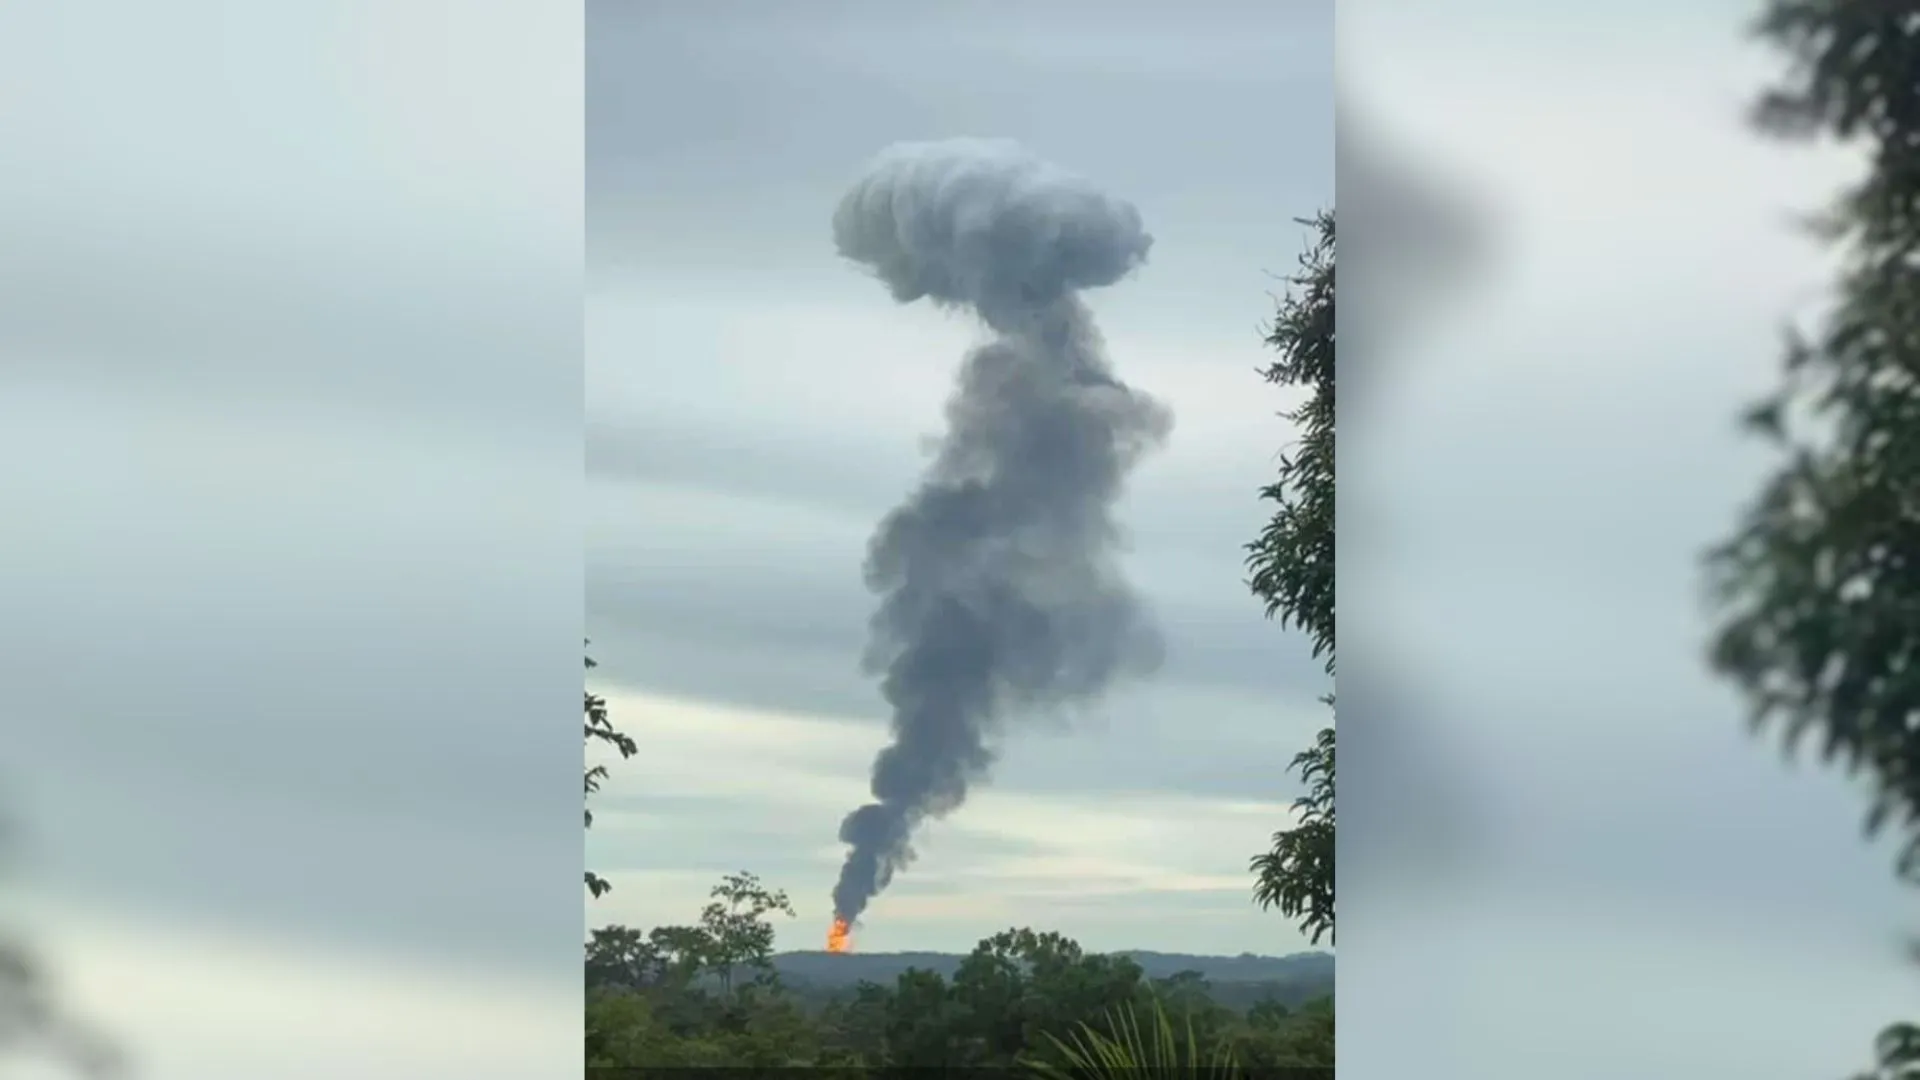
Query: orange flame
[{"x": 840, "y": 936}]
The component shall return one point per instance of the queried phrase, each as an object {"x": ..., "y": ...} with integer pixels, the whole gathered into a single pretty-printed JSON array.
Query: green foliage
[
  {"x": 1121, "y": 1050},
  {"x": 1293, "y": 572},
  {"x": 665, "y": 998},
  {"x": 1292, "y": 561},
  {"x": 736, "y": 929},
  {"x": 628, "y": 1029},
  {"x": 673, "y": 996},
  {"x": 623, "y": 956},
  {"x": 1297, "y": 875},
  {"x": 600, "y": 726},
  {"x": 1818, "y": 589},
  {"x": 1277, "y": 1039},
  {"x": 733, "y": 937},
  {"x": 1897, "y": 1053},
  {"x": 1019, "y": 984}
]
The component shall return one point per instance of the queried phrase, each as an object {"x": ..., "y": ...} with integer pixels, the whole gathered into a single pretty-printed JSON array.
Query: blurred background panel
[
  {"x": 1571, "y": 263},
  {"x": 290, "y": 607}
]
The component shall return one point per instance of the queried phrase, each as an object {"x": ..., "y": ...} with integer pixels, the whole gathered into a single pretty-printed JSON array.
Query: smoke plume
[{"x": 1000, "y": 596}]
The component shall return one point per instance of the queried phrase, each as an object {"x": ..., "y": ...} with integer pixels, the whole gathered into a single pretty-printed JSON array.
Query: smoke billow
[{"x": 1000, "y": 595}]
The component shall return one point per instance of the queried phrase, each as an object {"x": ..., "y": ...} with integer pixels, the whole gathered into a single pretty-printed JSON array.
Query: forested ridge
[{"x": 714, "y": 993}]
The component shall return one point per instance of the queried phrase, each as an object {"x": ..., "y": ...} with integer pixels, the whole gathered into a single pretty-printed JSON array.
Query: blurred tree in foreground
[
  {"x": 600, "y": 726},
  {"x": 30, "y": 1022},
  {"x": 1292, "y": 566},
  {"x": 1819, "y": 587}
]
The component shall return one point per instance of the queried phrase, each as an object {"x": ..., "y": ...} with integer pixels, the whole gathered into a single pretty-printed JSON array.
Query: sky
[{"x": 755, "y": 405}]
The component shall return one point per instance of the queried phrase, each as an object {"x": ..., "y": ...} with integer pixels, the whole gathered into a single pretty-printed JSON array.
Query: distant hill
[{"x": 1243, "y": 978}]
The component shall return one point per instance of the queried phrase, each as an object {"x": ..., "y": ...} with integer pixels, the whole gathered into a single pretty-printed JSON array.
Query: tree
[
  {"x": 733, "y": 934},
  {"x": 857, "y": 1026},
  {"x": 600, "y": 726},
  {"x": 736, "y": 926},
  {"x": 1297, "y": 874},
  {"x": 623, "y": 957},
  {"x": 1292, "y": 561},
  {"x": 1292, "y": 564},
  {"x": 622, "y": 1031},
  {"x": 1818, "y": 589},
  {"x": 924, "y": 1026},
  {"x": 1275, "y": 1038},
  {"x": 684, "y": 952},
  {"x": 1019, "y": 985},
  {"x": 650, "y": 999}
]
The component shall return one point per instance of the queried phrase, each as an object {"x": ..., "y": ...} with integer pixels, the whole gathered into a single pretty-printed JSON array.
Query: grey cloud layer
[{"x": 727, "y": 535}]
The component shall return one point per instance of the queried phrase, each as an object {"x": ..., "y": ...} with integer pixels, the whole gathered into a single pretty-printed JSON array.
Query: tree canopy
[
  {"x": 1292, "y": 565},
  {"x": 675, "y": 996}
]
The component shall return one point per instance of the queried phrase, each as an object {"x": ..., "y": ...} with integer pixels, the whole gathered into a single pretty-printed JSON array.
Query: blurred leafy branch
[
  {"x": 30, "y": 1019},
  {"x": 1817, "y": 591}
]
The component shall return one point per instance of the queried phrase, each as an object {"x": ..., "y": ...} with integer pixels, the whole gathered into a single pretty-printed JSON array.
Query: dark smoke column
[{"x": 999, "y": 591}]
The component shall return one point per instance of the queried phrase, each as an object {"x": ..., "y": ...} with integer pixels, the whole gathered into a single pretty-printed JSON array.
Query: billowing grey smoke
[{"x": 1000, "y": 594}]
